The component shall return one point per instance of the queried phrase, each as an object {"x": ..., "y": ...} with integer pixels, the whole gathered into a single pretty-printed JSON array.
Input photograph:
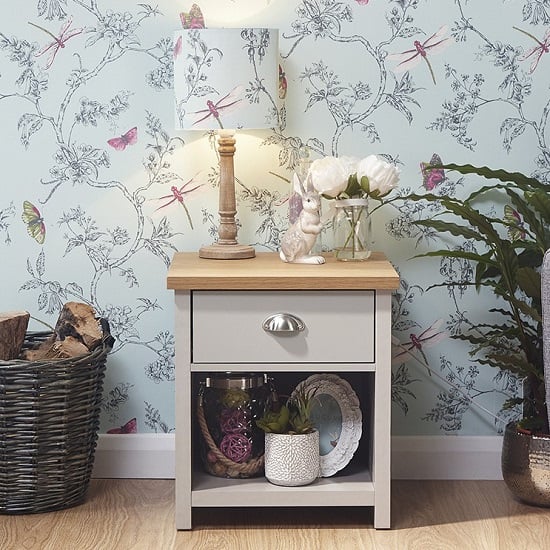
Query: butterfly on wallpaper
[
  {"x": 516, "y": 229},
  {"x": 34, "y": 221},
  {"x": 192, "y": 20},
  {"x": 129, "y": 428},
  {"x": 120, "y": 143},
  {"x": 283, "y": 84},
  {"x": 432, "y": 177},
  {"x": 543, "y": 47},
  {"x": 410, "y": 58},
  {"x": 226, "y": 104},
  {"x": 58, "y": 41}
]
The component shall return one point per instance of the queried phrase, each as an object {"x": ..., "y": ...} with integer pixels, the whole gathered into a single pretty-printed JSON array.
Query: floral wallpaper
[{"x": 100, "y": 189}]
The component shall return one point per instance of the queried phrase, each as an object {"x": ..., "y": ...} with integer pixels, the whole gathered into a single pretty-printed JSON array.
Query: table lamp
[{"x": 225, "y": 80}]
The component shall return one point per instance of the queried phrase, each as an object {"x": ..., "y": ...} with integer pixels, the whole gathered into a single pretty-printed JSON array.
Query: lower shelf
[{"x": 355, "y": 489}]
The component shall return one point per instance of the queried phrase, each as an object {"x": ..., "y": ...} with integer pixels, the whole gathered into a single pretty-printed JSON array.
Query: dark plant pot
[{"x": 525, "y": 464}]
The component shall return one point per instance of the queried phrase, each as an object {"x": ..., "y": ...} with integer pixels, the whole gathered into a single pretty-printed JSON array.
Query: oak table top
[{"x": 267, "y": 272}]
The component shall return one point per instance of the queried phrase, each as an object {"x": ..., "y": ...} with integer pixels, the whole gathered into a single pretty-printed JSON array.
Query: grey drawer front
[{"x": 339, "y": 327}]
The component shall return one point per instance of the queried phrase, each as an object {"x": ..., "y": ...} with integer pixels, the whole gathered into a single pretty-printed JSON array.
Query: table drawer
[{"x": 228, "y": 327}]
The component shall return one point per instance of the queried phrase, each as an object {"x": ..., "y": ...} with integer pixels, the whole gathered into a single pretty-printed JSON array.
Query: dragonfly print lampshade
[{"x": 226, "y": 80}]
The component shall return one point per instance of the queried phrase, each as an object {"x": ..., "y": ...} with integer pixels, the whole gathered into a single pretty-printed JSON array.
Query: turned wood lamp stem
[{"x": 227, "y": 247}]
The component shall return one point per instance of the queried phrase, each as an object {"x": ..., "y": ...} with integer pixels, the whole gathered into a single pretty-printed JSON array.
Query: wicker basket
[{"x": 49, "y": 418}]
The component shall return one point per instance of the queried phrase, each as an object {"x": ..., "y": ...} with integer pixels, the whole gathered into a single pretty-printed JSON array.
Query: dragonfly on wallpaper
[
  {"x": 178, "y": 195},
  {"x": 542, "y": 48},
  {"x": 226, "y": 104},
  {"x": 58, "y": 41},
  {"x": 410, "y": 58},
  {"x": 417, "y": 342}
]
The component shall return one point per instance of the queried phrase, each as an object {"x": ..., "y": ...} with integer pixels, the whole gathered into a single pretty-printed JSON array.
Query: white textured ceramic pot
[{"x": 292, "y": 459}]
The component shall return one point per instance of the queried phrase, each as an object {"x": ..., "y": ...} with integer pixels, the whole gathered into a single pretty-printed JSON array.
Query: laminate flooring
[{"x": 426, "y": 515}]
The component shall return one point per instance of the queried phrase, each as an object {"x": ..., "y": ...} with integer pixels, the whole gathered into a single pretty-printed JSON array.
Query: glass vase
[{"x": 352, "y": 227}]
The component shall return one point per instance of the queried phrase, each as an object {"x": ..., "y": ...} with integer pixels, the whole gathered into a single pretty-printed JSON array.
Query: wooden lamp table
[{"x": 346, "y": 307}]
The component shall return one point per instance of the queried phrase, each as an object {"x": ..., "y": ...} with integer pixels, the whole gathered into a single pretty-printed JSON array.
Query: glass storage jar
[{"x": 229, "y": 404}]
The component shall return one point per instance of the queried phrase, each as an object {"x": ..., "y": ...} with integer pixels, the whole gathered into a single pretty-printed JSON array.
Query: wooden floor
[{"x": 427, "y": 515}]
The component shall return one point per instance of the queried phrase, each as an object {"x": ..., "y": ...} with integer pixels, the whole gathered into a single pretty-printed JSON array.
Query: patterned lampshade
[{"x": 226, "y": 78}]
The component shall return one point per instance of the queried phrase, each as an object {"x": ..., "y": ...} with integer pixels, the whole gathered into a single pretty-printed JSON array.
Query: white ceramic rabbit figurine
[{"x": 300, "y": 237}]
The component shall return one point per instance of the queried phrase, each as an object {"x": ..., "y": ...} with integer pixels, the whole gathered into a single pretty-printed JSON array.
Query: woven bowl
[{"x": 49, "y": 418}]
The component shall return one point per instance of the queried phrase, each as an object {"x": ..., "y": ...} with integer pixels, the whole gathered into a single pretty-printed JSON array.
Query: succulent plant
[{"x": 294, "y": 417}]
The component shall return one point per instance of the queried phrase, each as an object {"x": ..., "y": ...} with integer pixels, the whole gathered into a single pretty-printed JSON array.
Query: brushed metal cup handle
[{"x": 283, "y": 322}]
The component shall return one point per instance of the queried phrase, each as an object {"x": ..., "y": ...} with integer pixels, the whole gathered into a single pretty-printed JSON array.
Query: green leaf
[
  {"x": 463, "y": 254},
  {"x": 353, "y": 187},
  {"x": 452, "y": 228},
  {"x": 512, "y": 402},
  {"x": 529, "y": 281},
  {"x": 540, "y": 201},
  {"x": 521, "y": 180}
]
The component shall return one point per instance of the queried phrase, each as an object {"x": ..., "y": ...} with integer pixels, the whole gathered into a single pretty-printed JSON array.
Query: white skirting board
[
  {"x": 147, "y": 456},
  {"x": 151, "y": 456},
  {"x": 446, "y": 457}
]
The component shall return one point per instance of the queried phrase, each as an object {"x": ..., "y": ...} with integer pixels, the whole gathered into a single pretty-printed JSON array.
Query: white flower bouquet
[{"x": 351, "y": 183}]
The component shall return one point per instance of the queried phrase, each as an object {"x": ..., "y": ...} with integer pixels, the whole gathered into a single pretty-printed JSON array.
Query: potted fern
[
  {"x": 513, "y": 248},
  {"x": 291, "y": 440}
]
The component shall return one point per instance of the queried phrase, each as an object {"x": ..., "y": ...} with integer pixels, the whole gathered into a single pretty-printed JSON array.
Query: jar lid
[{"x": 234, "y": 380}]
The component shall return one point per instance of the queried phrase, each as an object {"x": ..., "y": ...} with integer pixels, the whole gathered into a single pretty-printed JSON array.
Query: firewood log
[
  {"x": 13, "y": 327},
  {"x": 79, "y": 321},
  {"x": 77, "y": 332}
]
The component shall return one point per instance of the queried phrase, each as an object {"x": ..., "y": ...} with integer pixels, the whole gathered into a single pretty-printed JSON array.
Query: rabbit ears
[{"x": 308, "y": 181}]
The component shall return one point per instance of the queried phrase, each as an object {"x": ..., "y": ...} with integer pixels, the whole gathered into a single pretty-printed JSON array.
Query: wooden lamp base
[
  {"x": 227, "y": 252},
  {"x": 227, "y": 247}
]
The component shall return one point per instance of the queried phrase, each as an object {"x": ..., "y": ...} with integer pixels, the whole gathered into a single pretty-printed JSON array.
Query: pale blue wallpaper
[{"x": 91, "y": 160}]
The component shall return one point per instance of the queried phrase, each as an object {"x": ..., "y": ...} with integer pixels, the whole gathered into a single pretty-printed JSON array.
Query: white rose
[
  {"x": 329, "y": 176},
  {"x": 381, "y": 176},
  {"x": 349, "y": 164}
]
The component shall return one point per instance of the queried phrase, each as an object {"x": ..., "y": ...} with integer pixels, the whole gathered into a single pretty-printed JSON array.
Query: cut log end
[
  {"x": 79, "y": 321},
  {"x": 13, "y": 327},
  {"x": 77, "y": 332}
]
